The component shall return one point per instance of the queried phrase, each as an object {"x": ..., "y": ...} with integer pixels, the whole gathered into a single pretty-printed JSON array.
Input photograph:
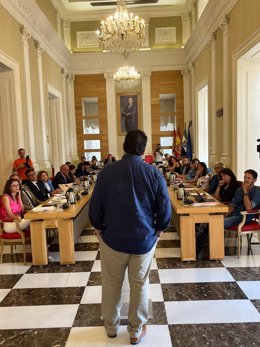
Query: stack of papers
[{"x": 43, "y": 208}]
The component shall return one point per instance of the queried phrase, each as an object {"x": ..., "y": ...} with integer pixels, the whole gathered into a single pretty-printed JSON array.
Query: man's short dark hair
[
  {"x": 86, "y": 163},
  {"x": 21, "y": 149},
  {"x": 252, "y": 172},
  {"x": 135, "y": 142},
  {"x": 27, "y": 171}
]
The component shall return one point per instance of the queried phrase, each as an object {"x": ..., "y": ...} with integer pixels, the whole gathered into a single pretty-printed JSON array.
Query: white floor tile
[
  {"x": 85, "y": 255},
  {"x": 52, "y": 280},
  {"x": 3, "y": 293},
  {"x": 211, "y": 311},
  {"x": 96, "y": 266},
  {"x": 92, "y": 295},
  {"x": 88, "y": 238},
  {"x": 154, "y": 264},
  {"x": 250, "y": 288},
  {"x": 13, "y": 268},
  {"x": 32, "y": 317},
  {"x": 155, "y": 292},
  {"x": 195, "y": 275},
  {"x": 243, "y": 261},
  {"x": 157, "y": 335},
  {"x": 167, "y": 252},
  {"x": 169, "y": 236}
]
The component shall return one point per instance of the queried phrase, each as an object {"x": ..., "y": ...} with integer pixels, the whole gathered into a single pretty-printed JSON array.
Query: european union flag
[{"x": 189, "y": 145}]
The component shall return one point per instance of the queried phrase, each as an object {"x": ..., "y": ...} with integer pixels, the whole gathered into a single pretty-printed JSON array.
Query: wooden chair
[
  {"x": 20, "y": 237},
  {"x": 247, "y": 229}
]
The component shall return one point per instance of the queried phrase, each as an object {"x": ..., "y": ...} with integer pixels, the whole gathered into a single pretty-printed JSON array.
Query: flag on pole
[
  {"x": 173, "y": 140},
  {"x": 177, "y": 148},
  {"x": 184, "y": 141},
  {"x": 189, "y": 145}
]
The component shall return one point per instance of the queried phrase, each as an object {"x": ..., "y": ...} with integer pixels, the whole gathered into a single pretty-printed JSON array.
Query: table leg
[
  {"x": 216, "y": 237},
  {"x": 187, "y": 238},
  {"x": 66, "y": 241},
  {"x": 38, "y": 243}
]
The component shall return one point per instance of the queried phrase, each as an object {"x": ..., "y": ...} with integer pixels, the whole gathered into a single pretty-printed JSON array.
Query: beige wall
[
  {"x": 49, "y": 11},
  {"x": 165, "y": 23},
  {"x": 83, "y": 26}
]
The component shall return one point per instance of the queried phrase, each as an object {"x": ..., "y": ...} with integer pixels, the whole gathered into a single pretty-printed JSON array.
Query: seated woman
[
  {"x": 227, "y": 186},
  {"x": 45, "y": 183},
  {"x": 174, "y": 165},
  {"x": 11, "y": 206},
  {"x": 201, "y": 178},
  {"x": 109, "y": 159}
]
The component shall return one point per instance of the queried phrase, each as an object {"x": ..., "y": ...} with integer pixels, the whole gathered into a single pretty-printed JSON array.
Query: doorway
[{"x": 248, "y": 106}]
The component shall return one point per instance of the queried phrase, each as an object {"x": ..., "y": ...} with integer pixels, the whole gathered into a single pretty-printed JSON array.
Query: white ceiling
[{"x": 83, "y": 10}]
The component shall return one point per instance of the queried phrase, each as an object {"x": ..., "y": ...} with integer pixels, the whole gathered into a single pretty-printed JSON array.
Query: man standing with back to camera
[{"x": 129, "y": 209}]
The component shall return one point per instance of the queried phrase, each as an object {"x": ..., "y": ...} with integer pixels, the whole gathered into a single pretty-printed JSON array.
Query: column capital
[
  {"x": 70, "y": 77},
  {"x": 185, "y": 18},
  {"x": 109, "y": 76},
  {"x": 67, "y": 25},
  {"x": 224, "y": 24},
  {"x": 212, "y": 38},
  {"x": 39, "y": 46},
  {"x": 26, "y": 35},
  {"x": 146, "y": 75},
  {"x": 185, "y": 73},
  {"x": 64, "y": 74},
  {"x": 191, "y": 68}
]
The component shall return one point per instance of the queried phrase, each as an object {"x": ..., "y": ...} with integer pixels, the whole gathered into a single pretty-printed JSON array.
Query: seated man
[
  {"x": 192, "y": 173},
  {"x": 62, "y": 177},
  {"x": 84, "y": 171},
  {"x": 28, "y": 199},
  {"x": 186, "y": 167},
  {"x": 32, "y": 184},
  {"x": 247, "y": 197},
  {"x": 214, "y": 181}
]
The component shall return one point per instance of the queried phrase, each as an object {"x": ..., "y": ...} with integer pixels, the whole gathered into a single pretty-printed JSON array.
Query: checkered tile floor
[{"x": 202, "y": 303}]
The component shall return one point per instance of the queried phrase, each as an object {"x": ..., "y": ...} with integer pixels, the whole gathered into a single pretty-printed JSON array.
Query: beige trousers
[{"x": 113, "y": 268}]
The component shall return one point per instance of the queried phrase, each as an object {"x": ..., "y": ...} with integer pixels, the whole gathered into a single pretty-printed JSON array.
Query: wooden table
[
  {"x": 70, "y": 223},
  {"x": 184, "y": 219}
]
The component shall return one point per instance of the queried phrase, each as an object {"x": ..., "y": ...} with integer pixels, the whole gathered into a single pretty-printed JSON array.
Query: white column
[
  {"x": 213, "y": 148},
  {"x": 72, "y": 119},
  {"x": 58, "y": 25},
  {"x": 187, "y": 95},
  {"x": 193, "y": 14},
  {"x": 67, "y": 35},
  {"x": 45, "y": 162},
  {"x": 65, "y": 113},
  {"x": 111, "y": 114},
  {"x": 28, "y": 92},
  {"x": 186, "y": 26},
  {"x": 225, "y": 156},
  {"x": 147, "y": 114},
  {"x": 193, "y": 117}
]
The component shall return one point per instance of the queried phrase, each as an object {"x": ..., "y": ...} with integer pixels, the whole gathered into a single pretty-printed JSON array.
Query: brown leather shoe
[{"x": 136, "y": 340}]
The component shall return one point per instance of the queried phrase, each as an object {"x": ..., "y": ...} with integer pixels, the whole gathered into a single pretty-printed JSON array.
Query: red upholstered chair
[
  {"x": 20, "y": 237},
  {"x": 247, "y": 229}
]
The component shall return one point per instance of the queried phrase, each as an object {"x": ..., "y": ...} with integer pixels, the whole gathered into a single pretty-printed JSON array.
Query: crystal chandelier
[
  {"x": 122, "y": 33},
  {"x": 127, "y": 77}
]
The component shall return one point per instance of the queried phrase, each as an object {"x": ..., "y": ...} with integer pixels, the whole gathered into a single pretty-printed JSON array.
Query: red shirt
[{"x": 21, "y": 171}]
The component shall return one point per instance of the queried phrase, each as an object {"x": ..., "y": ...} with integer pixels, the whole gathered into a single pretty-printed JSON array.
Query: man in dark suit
[
  {"x": 62, "y": 176},
  {"x": 32, "y": 184},
  {"x": 130, "y": 116}
]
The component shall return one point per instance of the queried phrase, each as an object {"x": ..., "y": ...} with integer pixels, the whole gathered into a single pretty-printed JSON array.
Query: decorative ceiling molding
[
  {"x": 27, "y": 13},
  {"x": 210, "y": 20},
  {"x": 99, "y": 14},
  {"x": 93, "y": 63}
]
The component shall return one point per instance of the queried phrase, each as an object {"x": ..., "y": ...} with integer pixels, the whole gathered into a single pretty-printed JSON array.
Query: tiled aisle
[{"x": 203, "y": 303}]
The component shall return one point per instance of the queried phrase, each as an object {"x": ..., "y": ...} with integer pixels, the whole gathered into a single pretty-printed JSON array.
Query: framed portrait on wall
[{"x": 128, "y": 112}]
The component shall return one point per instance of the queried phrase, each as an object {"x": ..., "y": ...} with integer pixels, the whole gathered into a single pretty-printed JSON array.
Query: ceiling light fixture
[
  {"x": 127, "y": 77},
  {"x": 122, "y": 33}
]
